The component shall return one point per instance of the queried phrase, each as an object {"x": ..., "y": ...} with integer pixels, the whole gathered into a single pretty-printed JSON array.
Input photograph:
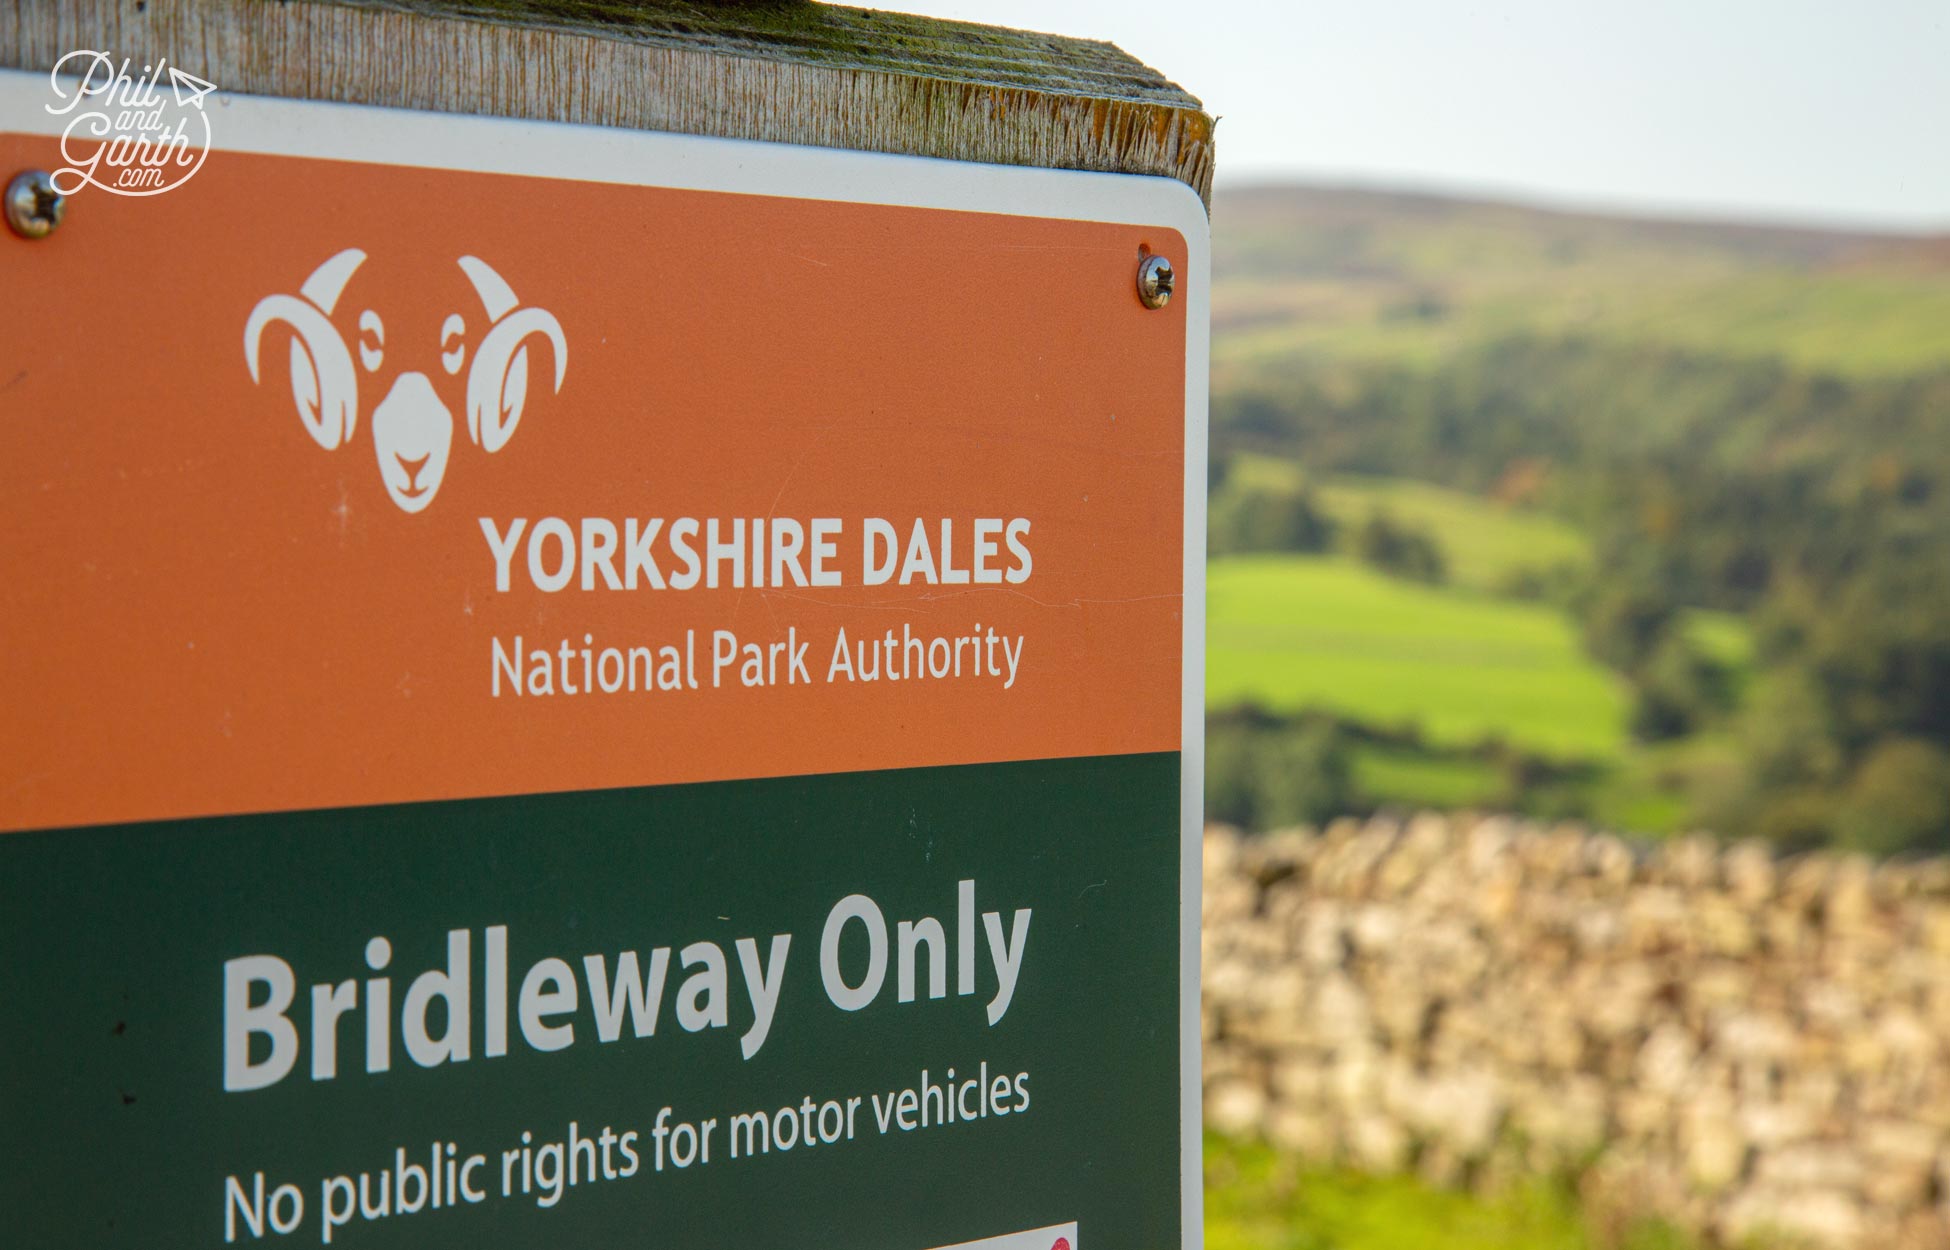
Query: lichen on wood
[{"x": 781, "y": 70}]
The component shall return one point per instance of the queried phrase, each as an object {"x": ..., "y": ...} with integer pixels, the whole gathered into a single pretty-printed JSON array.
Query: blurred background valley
[{"x": 1638, "y": 522}]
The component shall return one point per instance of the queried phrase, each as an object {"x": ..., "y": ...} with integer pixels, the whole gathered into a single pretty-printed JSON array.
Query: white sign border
[{"x": 387, "y": 136}]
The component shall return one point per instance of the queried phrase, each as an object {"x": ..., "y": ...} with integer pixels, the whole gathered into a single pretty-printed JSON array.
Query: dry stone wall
[{"x": 1755, "y": 1049}]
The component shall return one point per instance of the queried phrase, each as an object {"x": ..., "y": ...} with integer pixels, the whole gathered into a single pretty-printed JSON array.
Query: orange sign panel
[{"x": 563, "y": 487}]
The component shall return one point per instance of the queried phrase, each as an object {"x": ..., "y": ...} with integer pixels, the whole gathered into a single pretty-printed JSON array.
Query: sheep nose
[
  {"x": 413, "y": 433},
  {"x": 413, "y": 468}
]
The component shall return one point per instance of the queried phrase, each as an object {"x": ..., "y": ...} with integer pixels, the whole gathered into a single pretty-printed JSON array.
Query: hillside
[
  {"x": 1643, "y": 521},
  {"x": 1349, "y": 273}
]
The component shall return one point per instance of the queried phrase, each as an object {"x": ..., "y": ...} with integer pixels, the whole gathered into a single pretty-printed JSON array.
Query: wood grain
[{"x": 787, "y": 72}]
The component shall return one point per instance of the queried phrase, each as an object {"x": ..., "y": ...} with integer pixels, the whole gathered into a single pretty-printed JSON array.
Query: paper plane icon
[{"x": 189, "y": 88}]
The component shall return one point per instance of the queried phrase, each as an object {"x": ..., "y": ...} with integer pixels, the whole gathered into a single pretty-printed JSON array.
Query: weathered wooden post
[{"x": 602, "y": 619}]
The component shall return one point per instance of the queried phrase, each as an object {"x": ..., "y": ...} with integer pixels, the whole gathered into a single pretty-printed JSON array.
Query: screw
[
  {"x": 1155, "y": 281},
  {"x": 34, "y": 207}
]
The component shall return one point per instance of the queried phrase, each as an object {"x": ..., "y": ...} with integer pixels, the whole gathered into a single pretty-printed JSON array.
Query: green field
[
  {"x": 1255, "y": 1200},
  {"x": 1485, "y": 544},
  {"x": 1723, "y": 636},
  {"x": 1456, "y": 664},
  {"x": 1294, "y": 633},
  {"x": 1418, "y": 779}
]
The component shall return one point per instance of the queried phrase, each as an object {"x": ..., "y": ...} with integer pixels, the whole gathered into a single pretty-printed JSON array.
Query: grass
[
  {"x": 1630, "y": 801},
  {"x": 1722, "y": 637},
  {"x": 1657, "y": 787},
  {"x": 1484, "y": 544},
  {"x": 1256, "y": 1200},
  {"x": 1293, "y": 633},
  {"x": 1416, "y": 779}
]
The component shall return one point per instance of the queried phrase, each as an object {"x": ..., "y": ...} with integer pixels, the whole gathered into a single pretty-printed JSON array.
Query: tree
[
  {"x": 1231, "y": 768},
  {"x": 1256, "y": 517},
  {"x": 1898, "y": 799},
  {"x": 1305, "y": 776},
  {"x": 1626, "y": 617},
  {"x": 1395, "y": 548},
  {"x": 1676, "y": 689},
  {"x": 1262, "y": 772}
]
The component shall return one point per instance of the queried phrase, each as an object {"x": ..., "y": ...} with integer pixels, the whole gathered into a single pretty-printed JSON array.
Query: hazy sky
[{"x": 1819, "y": 110}]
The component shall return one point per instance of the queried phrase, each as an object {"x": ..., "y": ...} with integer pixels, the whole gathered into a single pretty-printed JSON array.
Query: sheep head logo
[{"x": 412, "y": 428}]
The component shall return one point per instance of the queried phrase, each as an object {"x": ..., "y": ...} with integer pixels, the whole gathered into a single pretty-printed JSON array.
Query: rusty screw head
[
  {"x": 1155, "y": 281},
  {"x": 34, "y": 207}
]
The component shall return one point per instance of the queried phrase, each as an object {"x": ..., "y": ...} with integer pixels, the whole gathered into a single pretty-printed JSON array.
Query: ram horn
[
  {"x": 324, "y": 385},
  {"x": 497, "y": 382}
]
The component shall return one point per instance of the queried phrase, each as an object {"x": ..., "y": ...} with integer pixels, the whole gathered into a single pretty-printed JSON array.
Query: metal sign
[{"x": 569, "y": 685}]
